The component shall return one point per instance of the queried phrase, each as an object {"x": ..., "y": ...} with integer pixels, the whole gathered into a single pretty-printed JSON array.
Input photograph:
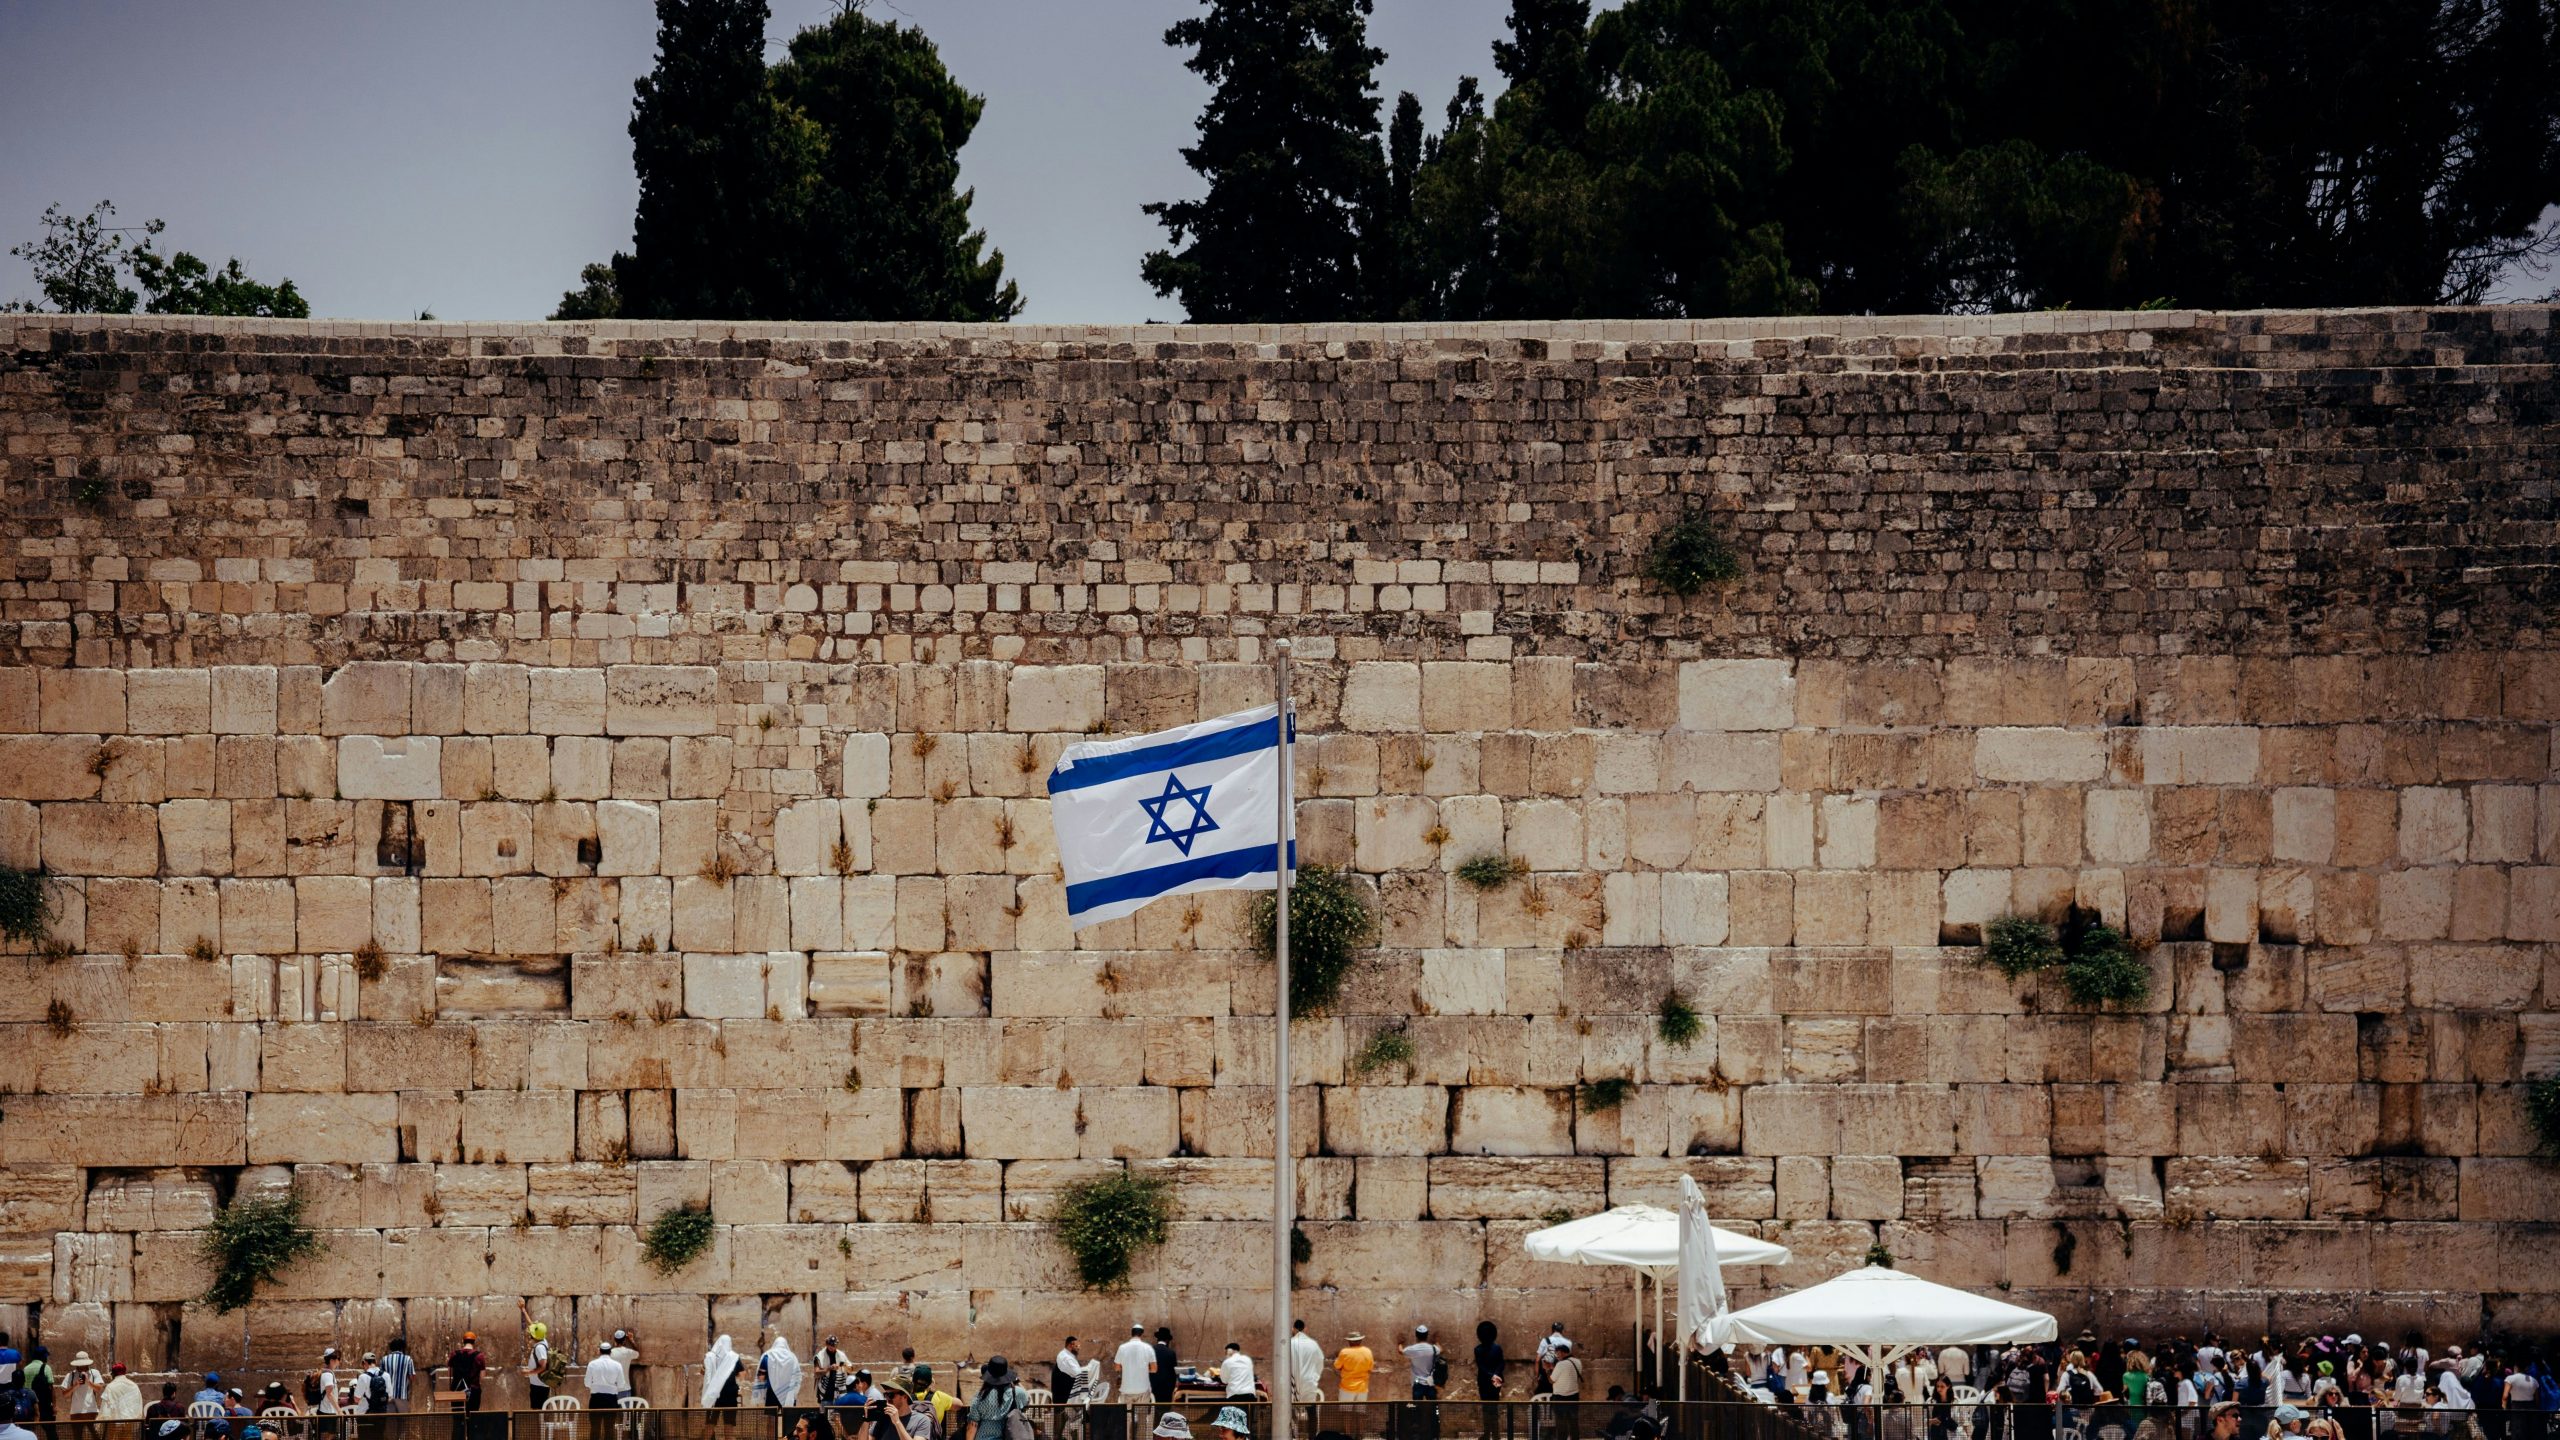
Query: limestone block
[
  {"x": 2238, "y": 1187},
  {"x": 1546, "y": 834},
  {"x": 1696, "y": 909},
  {"x": 371, "y": 767},
  {"x": 81, "y": 702},
  {"x": 2306, "y": 825},
  {"x": 2508, "y": 1189},
  {"x": 627, "y": 837},
  {"x": 168, "y": 702},
  {"x": 195, "y": 837},
  {"x": 2039, "y": 754},
  {"x": 1462, "y": 982},
  {"x": 661, "y": 699},
  {"x": 866, "y": 766},
  {"x": 565, "y": 702},
  {"x": 805, "y": 837},
  {"x": 1721, "y": 762},
  {"x": 581, "y": 767},
  {"x": 1384, "y": 1120},
  {"x": 1507, "y": 1120},
  {"x": 332, "y": 912},
  {"x": 1392, "y": 833},
  {"x": 828, "y": 1192},
  {"x": 2416, "y": 904},
  {"x": 242, "y": 700},
  {"x": 851, "y": 983},
  {"x": 1383, "y": 696},
  {"x": 2015, "y": 1187},
  {"x": 1737, "y": 695},
  {"x": 581, "y": 1193},
  {"x": 407, "y": 1057},
  {"x": 39, "y": 1198},
  {"x": 723, "y": 986},
  {"x": 1459, "y": 696},
  {"x": 1005, "y": 1122},
  {"x": 1791, "y": 1120},
  {"x": 366, "y": 697},
  {"x": 81, "y": 839},
  {"x": 2199, "y": 754},
  {"x": 2534, "y": 906},
  {"x": 2231, "y": 906},
  {"x": 1831, "y": 908},
  {"x": 1054, "y": 698},
  {"x": 1803, "y": 1184},
  {"x": 2118, "y": 825},
  {"x": 1128, "y": 1122},
  {"x": 516, "y": 1127},
  {"x": 1866, "y": 1187},
  {"x": 327, "y": 1129},
  {"x": 2434, "y": 824},
  {"x": 1466, "y": 1187}
]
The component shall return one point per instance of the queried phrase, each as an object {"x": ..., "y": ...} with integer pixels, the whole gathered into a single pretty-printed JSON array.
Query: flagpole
[{"x": 1283, "y": 1185}]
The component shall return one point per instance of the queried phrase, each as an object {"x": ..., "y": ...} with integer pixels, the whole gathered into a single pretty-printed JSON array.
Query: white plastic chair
[
  {"x": 556, "y": 1413},
  {"x": 202, "y": 1413},
  {"x": 629, "y": 1425}
]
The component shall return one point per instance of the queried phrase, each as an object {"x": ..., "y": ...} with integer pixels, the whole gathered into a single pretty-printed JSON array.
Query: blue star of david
[{"x": 1175, "y": 792}]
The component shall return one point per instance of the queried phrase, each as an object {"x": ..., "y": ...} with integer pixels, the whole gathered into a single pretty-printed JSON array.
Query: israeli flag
[{"x": 1195, "y": 808}]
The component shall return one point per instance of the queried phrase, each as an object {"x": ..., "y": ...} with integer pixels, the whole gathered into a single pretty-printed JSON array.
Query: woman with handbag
[{"x": 996, "y": 1412}]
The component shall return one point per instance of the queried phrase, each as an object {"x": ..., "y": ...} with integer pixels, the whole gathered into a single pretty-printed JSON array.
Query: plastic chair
[
  {"x": 630, "y": 1425},
  {"x": 201, "y": 1414},
  {"x": 556, "y": 1413}
]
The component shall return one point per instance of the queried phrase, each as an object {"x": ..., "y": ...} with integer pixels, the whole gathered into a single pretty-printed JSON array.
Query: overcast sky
[{"x": 467, "y": 156}]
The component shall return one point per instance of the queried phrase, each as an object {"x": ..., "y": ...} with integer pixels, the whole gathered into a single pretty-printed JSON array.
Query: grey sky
[{"x": 467, "y": 156}]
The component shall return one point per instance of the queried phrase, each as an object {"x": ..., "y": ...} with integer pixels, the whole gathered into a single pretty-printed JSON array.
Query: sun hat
[
  {"x": 82, "y": 1361},
  {"x": 1354, "y": 1338},
  {"x": 2287, "y": 1414},
  {"x": 1171, "y": 1426},
  {"x": 1232, "y": 1418}
]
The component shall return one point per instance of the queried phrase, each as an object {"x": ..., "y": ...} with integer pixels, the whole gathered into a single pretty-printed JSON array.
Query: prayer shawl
[
  {"x": 782, "y": 1372},
  {"x": 717, "y": 1367}
]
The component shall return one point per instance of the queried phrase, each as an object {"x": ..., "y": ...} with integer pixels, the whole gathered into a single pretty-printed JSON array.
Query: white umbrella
[
  {"x": 1878, "y": 1315},
  {"x": 1701, "y": 1277},
  {"x": 1645, "y": 1238}
]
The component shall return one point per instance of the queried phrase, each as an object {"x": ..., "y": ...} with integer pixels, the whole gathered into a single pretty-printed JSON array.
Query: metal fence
[{"x": 1455, "y": 1418}]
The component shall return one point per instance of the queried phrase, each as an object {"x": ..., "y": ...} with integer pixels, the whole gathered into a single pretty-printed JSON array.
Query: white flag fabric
[{"x": 1193, "y": 808}]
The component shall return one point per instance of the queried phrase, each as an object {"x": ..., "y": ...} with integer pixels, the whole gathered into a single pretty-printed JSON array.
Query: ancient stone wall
[{"x": 507, "y": 781}]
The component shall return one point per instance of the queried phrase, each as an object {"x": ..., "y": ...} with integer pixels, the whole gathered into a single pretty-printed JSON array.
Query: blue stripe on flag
[
  {"x": 1199, "y": 750},
  {"x": 1156, "y": 880}
]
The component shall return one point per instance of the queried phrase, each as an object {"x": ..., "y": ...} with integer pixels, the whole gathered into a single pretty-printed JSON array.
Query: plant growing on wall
[
  {"x": 1329, "y": 923},
  {"x": 251, "y": 1242},
  {"x": 1691, "y": 553},
  {"x": 1388, "y": 1047},
  {"x": 2097, "y": 962},
  {"x": 1108, "y": 1221},
  {"x": 1607, "y": 1093},
  {"x": 1678, "y": 1023},
  {"x": 2542, "y": 1112},
  {"x": 1877, "y": 1254},
  {"x": 24, "y": 910},
  {"x": 2020, "y": 945},
  {"x": 676, "y": 1238},
  {"x": 1490, "y": 871}
]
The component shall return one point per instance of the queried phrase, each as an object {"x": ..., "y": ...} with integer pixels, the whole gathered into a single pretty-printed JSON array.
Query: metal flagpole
[{"x": 1283, "y": 1185}]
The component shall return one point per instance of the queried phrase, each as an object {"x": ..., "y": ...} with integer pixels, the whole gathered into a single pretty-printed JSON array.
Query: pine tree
[
  {"x": 713, "y": 189},
  {"x": 1289, "y": 148},
  {"x": 885, "y": 231}
]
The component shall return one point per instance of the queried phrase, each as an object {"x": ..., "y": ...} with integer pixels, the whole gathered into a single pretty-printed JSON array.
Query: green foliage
[
  {"x": 1556, "y": 1216},
  {"x": 1329, "y": 924},
  {"x": 1106, "y": 1222},
  {"x": 82, "y": 261},
  {"x": 251, "y": 1242},
  {"x": 2542, "y": 1112},
  {"x": 2102, "y": 968},
  {"x": 1691, "y": 553},
  {"x": 1678, "y": 1021},
  {"x": 1491, "y": 871},
  {"x": 1389, "y": 1047},
  {"x": 1878, "y": 1255},
  {"x": 1288, "y": 148},
  {"x": 1301, "y": 1249},
  {"x": 820, "y": 188},
  {"x": 2020, "y": 945},
  {"x": 676, "y": 1238},
  {"x": 1606, "y": 1093},
  {"x": 25, "y": 909},
  {"x": 2097, "y": 962}
]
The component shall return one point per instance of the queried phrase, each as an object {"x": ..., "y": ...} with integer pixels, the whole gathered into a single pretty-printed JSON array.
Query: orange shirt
[{"x": 1354, "y": 1364}]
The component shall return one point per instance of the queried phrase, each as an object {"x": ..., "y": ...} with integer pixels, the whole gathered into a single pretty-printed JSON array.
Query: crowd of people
[
  {"x": 2318, "y": 1388},
  {"x": 2321, "y": 1388}
]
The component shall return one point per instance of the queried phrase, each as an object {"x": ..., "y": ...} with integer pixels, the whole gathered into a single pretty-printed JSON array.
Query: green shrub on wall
[
  {"x": 1678, "y": 1022},
  {"x": 251, "y": 1242},
  {"x": 24, "y": 910},
  {"x": 1329, "y": 924},
  {"x": 1107, "y": 1222},
  {"x": 1692, "y": 553},
  {"x": 2542, "y": 1111},
  {"x": 2020, "y": 945},
  {"x": 676, "y": 1238},
  {"x": 2097, "y": 962}
]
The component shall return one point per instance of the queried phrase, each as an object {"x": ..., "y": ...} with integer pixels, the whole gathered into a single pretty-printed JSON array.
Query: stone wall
[{"x": 506, "y": 781}]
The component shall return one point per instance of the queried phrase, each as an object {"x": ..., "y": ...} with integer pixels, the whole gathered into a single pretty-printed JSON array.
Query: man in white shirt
[
  {"x": 606, "y": 1378},
  {"x": 1064, "y": 1370},
  {"x": 1236, "y": 1373},
  {"x": 1137, "y": 1362},
  {"x": 1306, "y": 1365},
  {"x": 1955, "y": 1364}
]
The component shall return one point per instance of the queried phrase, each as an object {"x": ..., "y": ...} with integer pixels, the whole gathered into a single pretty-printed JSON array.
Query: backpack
[
  {"x": 555, "y": 1368},
  {"x": 310, "y": 1387},
  {"x": 377, "y": 1392},
  {"x": 1439, "y": 1368},
  {"x": 2016, "y": 1381},
  {"x": 22, "y": 1404},
  {"x": 2084, "y": 1391}
]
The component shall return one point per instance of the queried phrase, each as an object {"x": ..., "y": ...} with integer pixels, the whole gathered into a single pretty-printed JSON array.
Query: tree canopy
[
  {"x": 82, "y": 265},
  {"x": 818, "y": 188},
  {"x": 1702, "y": 157}
]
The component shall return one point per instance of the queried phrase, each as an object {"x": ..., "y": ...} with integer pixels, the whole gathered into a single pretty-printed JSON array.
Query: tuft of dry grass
[
  {"x": 59, "y": 1019},
  {"x": 204, "y": 949},
  {"x": 369, "y": 962}
]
